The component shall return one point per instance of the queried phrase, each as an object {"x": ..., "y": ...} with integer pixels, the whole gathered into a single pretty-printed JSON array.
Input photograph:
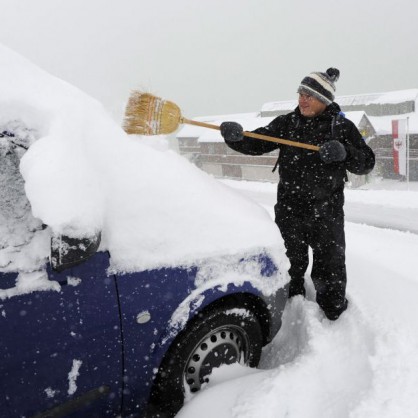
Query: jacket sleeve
[
  {"x": 252, "y": 146},
  {"x": 360, "y": 157}
]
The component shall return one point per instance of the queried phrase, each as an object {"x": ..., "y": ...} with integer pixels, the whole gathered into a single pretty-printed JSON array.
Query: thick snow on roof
[
  {"x": 391, "y": 97},
  {"x": 251, "y": 121},
  {"x": 383, "y": 124},
  {"x": 83, "y": 174},
  {"x": 286, "y": 105},
  {"x": 355, "y": 117}
]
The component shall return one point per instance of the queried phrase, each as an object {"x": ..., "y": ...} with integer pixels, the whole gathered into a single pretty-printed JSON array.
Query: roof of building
[
  {"x": 383, "y": 124},
  {"x": 391, "y": 97},
  {"x": 250, "y": 121}
]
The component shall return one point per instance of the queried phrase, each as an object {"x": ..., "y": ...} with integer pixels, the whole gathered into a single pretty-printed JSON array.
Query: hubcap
[{"x": 224, "y": 345}]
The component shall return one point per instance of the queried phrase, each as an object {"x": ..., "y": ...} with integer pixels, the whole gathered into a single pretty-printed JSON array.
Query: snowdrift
[{"x": 84, "y": 174}]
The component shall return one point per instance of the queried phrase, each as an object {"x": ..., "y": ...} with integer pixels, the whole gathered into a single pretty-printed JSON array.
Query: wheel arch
[{"x": 241, "y": 300}]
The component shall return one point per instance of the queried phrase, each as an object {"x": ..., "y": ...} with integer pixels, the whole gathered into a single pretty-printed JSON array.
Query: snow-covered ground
[
  {"x": 387, "y": 204},
  {"x": 363, "y": 365}
]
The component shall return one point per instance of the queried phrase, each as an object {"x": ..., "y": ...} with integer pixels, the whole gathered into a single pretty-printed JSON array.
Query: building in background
[{"x": 371, "y": 113}]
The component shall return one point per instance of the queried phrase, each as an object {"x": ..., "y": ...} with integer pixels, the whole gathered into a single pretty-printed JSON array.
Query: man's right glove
[
  {"x": 332, "y": 151},
  {"x": 232, "y": 131}
]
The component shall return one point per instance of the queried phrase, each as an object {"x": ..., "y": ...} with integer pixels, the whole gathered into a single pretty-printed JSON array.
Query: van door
[{"x": 61, "y": 351}]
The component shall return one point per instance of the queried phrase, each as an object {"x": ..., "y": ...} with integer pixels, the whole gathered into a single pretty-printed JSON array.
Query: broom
[{"x": 147, "y": 114}]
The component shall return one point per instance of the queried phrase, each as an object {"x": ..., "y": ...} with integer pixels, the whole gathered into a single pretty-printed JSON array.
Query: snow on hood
[{"x": 84, "y": 174}]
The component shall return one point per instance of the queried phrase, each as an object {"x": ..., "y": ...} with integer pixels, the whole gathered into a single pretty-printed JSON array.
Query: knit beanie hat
[{"x": 320, "y": 85}]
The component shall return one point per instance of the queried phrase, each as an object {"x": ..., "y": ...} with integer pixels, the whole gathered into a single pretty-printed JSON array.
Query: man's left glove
[
  {"x": 232, "y": 131},
  {"x": 332, "y": 151}
]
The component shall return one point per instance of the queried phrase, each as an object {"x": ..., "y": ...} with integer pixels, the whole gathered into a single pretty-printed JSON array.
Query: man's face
[{"x": 310, "y": 106}]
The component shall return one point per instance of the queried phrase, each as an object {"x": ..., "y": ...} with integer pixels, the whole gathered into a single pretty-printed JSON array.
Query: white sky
[{"x": 217, "y": 56}]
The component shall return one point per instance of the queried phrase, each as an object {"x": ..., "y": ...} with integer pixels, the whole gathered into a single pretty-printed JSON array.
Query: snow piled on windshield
[{"x": 84, "y": 174}]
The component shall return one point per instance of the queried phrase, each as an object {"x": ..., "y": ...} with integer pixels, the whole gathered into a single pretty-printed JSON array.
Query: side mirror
[{"x": 68, "y": 252}]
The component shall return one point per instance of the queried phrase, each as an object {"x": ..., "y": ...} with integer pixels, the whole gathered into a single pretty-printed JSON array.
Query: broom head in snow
[{"x": 146, "y": 114}]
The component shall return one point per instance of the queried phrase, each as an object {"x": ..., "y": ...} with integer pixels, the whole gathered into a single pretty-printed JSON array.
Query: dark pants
[{"x": 324, "y": 233}]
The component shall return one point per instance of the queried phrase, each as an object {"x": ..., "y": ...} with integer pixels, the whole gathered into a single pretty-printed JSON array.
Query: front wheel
[{"x": 223, "y": 336}]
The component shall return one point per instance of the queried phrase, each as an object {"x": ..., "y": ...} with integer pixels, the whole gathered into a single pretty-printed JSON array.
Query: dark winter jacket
[{"x": 306, "y": 182}]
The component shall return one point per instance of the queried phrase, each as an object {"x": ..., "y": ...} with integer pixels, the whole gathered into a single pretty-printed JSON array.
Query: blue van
[
  {"x": 100, "y": 343},
  {"x": 118, "y": 329},
  {"x": 130, "y": 316}
]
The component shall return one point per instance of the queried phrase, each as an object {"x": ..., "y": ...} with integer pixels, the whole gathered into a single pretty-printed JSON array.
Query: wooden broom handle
[{"x": 254, "y": 135}]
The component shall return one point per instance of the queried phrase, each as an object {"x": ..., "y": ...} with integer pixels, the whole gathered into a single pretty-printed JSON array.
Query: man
[{"x": 310, "y": 194}]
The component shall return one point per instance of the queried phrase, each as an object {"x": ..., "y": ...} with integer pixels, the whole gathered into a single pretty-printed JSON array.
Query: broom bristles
[{"x": 146, "y": 114}]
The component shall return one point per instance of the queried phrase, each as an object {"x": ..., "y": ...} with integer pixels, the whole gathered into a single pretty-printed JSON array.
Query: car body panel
[
  {"x": 87, "y": 341},
  {"x": 158, "y": 293},
  {"x": 169, "y": 298},
  {"x": 116, "y": 327},
  {"x": 46, "y": 335}
]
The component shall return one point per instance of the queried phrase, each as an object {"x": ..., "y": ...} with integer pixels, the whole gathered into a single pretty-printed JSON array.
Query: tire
[{"x": 223, "y": 336}]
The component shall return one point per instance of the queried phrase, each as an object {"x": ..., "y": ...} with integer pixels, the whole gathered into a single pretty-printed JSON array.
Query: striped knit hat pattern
[{"x": 320, "y": 85}]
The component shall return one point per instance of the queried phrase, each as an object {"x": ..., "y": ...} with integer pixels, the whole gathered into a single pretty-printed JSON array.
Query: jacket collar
[{"x": 331, "y": 110}]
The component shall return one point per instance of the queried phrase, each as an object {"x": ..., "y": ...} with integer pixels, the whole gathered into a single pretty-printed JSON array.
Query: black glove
[
  {"x": 332, "y": 151},
  {"x": 232, "y": 131}
]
